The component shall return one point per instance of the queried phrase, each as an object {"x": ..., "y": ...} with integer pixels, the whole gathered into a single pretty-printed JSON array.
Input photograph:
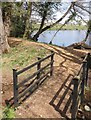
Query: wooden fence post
[
  {"x": 74, "y": 107},
  {"x": 15, "y": 88},
  {"x": 88, "y": 63},
  {"x": 52, "y": 56},
  {"x": 38, "y": 67},
  {"x": 83, "y": 81}
]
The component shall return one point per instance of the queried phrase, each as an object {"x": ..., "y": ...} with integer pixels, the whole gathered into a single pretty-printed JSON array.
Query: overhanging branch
[
  {"x": 71, "y": 16},
  {"x": 82, "y": 7}
]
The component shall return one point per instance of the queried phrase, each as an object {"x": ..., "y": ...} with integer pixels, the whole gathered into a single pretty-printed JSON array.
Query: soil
[{"x": 52, "y": 99}]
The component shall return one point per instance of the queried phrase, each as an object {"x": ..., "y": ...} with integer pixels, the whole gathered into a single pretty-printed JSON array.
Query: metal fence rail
[{"x": 36, "y": 75}]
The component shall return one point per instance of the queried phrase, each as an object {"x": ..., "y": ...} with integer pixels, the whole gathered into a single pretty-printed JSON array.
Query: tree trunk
[
  {"x": 28, "y": 23},
  {"x": 40, "y": 29},
  {"x": 41, "y": 26},
  {"x": 4, "y": 47},
  {"x": 90, "y": 24},
  {"x": 7, "y": 24},
  {"x": 87, "y": 34}
]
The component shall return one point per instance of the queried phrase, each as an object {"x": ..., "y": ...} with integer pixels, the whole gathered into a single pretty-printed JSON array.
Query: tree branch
[
  {"x": 71, "y": 16},
  {"x": 50, "y": 26},
  {"x": 82, "y": 7}
]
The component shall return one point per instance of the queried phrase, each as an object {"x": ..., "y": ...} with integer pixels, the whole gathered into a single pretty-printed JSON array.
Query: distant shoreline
[{"x": 66, "y": 27}]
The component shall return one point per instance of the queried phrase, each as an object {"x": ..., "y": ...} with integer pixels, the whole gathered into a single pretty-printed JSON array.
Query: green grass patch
[
  {"x": 66, "y": 27},
  {"x": 8, "y": 113},
  {"x": 22, "y": 56}
]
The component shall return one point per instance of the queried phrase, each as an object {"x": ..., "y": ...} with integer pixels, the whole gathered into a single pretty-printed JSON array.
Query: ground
[{"x": 53, "y": 98}]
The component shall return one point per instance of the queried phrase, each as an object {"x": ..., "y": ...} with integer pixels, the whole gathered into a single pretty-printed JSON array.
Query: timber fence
[
  {"x": 18, "y": 95},
  {"x": 79, "y": 83}
]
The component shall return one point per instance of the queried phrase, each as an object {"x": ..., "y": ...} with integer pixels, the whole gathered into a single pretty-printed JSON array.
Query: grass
[
  {"x": 22, "y": 56},
  {"x": 19, "y": 57},
  {"x": 66, "y": 27},
  {"x": 8, "y": 113}
]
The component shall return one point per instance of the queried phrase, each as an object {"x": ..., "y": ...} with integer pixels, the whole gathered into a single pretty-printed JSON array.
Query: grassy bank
[
  {"x": 22, "y": 55},
  {"x": 66, "y": 27}
]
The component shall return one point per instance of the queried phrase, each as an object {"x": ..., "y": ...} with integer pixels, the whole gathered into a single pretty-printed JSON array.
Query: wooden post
[
  {"x": 51, "y": 68},
  {"x": 88, "y": 63},
  {"x": 38, "y": 67},
  {"x": 15, "y": 88},
  {"x": 74, "y": 107},
  {"x": 83, "y": 81}
]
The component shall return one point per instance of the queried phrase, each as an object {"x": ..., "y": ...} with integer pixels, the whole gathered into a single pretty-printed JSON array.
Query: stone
[
  {"x": 87, "y": 108},
  {"x": 2, "y": 92}
]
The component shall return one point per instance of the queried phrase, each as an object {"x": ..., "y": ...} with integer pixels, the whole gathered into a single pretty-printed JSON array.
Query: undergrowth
[{"x": 8, "y": 113}]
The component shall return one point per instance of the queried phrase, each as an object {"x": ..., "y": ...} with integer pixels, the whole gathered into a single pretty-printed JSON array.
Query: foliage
[
  {"x": 18, "y": 20},
  {"x": 48, "y": 7},
  {"x": 24, "y": 14},
  {"x": 6, "y": 9},
  {"x": 28, "y": 24},
  {"x": 8, "y": 113},
  {"x": 18, "y": 26}
]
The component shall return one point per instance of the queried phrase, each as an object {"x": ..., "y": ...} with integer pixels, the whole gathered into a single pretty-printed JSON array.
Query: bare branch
[
  {"x": 50, "y": 26},
  {"x": 82, "y": 19},
  {"x": 82, "y": 7},
  {"x": 71, "y": 16}
]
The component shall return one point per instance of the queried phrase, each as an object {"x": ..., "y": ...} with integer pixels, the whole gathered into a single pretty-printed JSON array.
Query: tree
[
  {"x": 70, "y": 18},
  {"x": 44, "y": 11},
  {"x": 4, "y": 47},
  {"x": 80, "y": 8},
  {"x": 6, "y": 14},
  {"x": 28, "y": 24},
  {"x": 20, "y": 19},
  {"x": 88, "y": 30}
]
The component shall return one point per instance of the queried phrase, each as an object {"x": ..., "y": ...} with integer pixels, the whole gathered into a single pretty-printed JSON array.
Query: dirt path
[{"x": 53, "y": 98}]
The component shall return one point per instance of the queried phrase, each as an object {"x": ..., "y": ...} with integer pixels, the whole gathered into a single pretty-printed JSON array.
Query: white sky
[
  {"x": 54, "y": 0},
  {"x": 59, "y": 14}
]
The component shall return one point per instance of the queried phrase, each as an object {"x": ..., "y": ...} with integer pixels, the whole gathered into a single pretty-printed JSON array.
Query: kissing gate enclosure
[
  {"x": 29, "y": 84},
  {"x": 44, "y": 69}
]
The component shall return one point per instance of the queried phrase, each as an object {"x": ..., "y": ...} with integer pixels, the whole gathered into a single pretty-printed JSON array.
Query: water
[{"x": 63, "y": 37}]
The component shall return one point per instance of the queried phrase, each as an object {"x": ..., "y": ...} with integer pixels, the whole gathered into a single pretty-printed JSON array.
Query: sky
[
  {"x": 75, "y": 0},
  {"x": 66, "y": 3},
  {"x": 65, "y": 6},
  {"x": 54, "y": 0}
]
